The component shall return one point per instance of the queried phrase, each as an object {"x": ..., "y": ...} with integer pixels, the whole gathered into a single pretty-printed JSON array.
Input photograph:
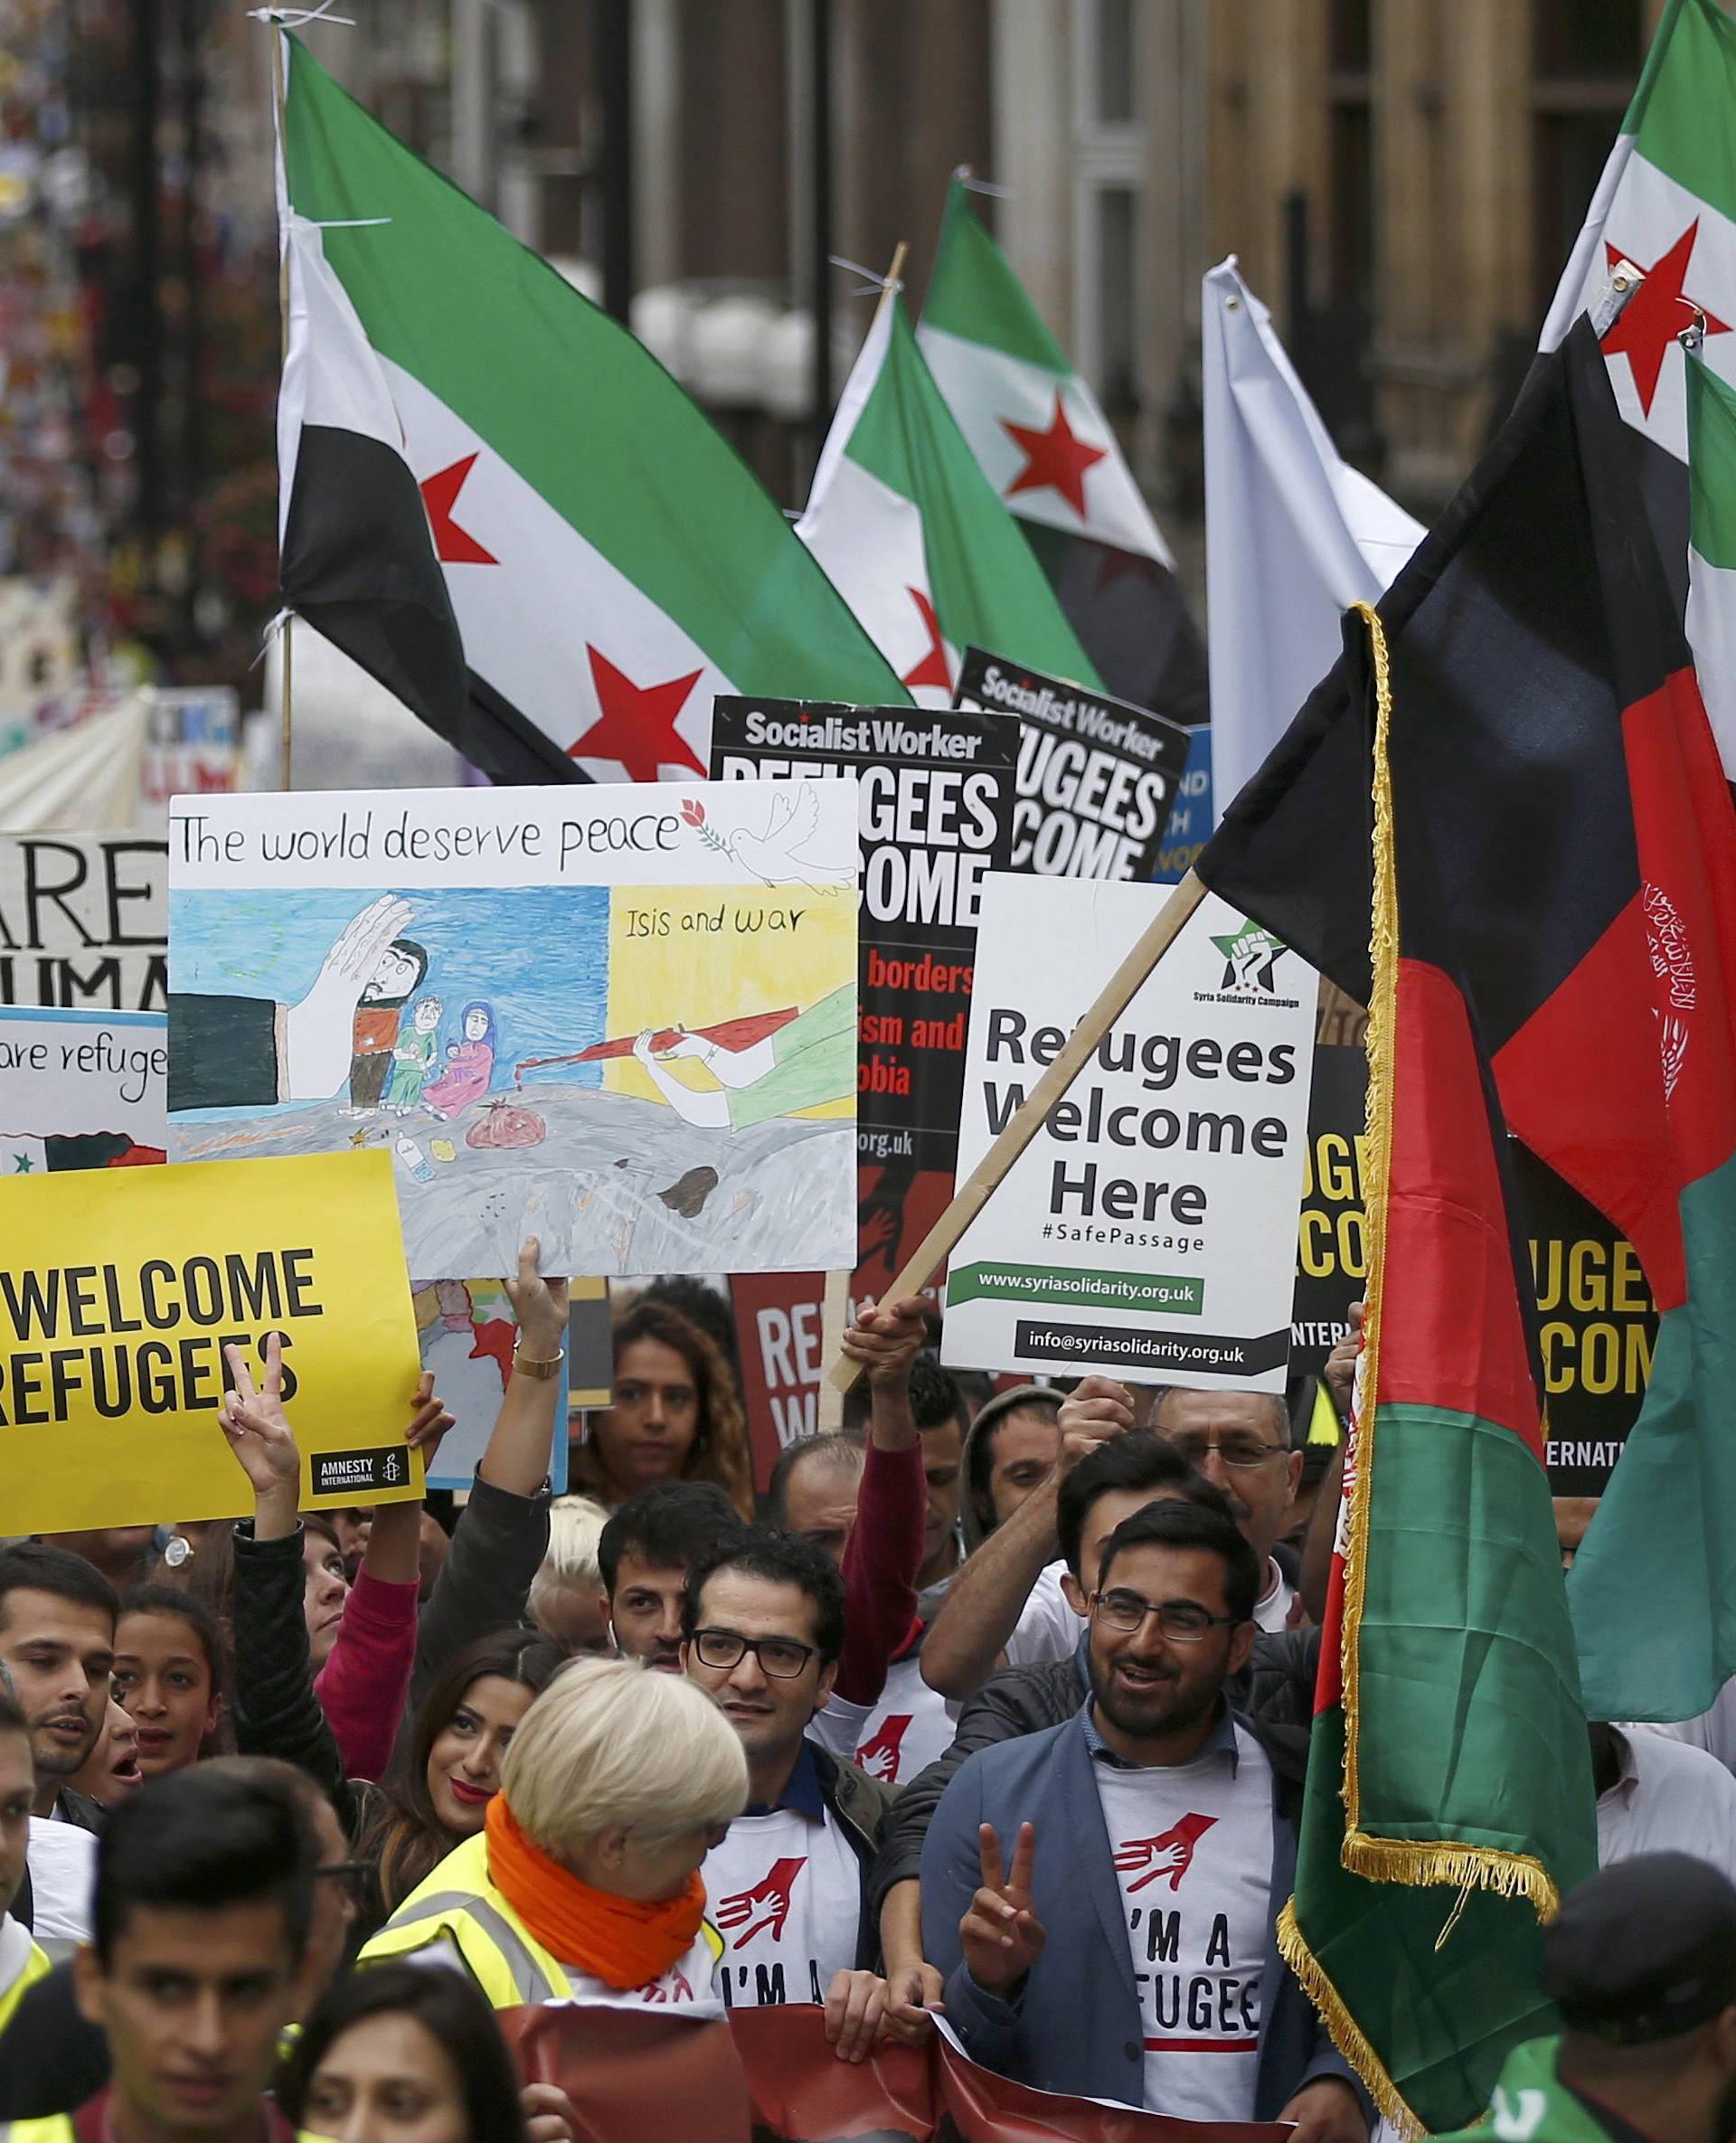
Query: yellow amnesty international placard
[{"x": 119, "y": 1289}]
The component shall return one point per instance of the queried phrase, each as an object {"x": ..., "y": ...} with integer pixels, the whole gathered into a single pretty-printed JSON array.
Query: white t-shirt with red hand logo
[
  {"x": 1193, "y": 1850},
  {"x": 784, "y": 1890},
  {"x": 909, "y": 1727}
]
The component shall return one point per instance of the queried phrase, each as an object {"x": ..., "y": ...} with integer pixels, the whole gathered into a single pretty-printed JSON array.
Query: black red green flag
[
  {"x": 1556, "y": 958},
  {"x": 1581, "y": 835}
]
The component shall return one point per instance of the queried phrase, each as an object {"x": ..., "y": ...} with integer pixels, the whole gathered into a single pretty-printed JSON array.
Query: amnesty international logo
[{"x": 1250, "y": 955}]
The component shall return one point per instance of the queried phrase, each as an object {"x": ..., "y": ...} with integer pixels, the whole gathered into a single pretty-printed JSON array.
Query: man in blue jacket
[{"x": 1128, "y": 1951}]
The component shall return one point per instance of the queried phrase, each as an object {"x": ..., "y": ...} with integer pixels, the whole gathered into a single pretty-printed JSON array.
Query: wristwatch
[{"x": 524, "y": 1367}]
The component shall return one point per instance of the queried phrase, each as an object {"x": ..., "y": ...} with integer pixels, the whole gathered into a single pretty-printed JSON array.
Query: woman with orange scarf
[{"x": 584, "y": 1883}]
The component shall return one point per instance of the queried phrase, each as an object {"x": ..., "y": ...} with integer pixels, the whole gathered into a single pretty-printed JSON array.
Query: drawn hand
[
  {"x": 1000, "y": 1935},
  {"x": 319, "y": 1032}
]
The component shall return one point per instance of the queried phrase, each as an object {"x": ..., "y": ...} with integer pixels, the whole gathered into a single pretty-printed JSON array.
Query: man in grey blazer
[{"x": 1102, "y": 1897}]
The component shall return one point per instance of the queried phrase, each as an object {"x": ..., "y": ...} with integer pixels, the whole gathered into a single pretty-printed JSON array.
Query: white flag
[{"x": 1293, "y": 534}]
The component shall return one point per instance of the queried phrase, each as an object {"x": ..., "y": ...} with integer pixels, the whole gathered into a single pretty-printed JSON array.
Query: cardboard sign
[
  {"x": 1190, "y": 823},
  {"x": 935, "y": 792},
  {"x": 778, "y": 1319},
  {"x": 82, "y": 1089},
  {"x": 1097, "y": 776},
  {"x": 1147, "y": 1231},
  {"x": 119, "y": 1289},
  {"x": 1597, "y": 1324},
  {"x": 620, "y": 1019},
  {"x": 83, "y": 920}
]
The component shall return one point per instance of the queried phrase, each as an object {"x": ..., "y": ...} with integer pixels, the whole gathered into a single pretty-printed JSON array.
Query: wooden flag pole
[
  {"x": 942, "y": 1239},
  {"x": 835, "y": 1310}
]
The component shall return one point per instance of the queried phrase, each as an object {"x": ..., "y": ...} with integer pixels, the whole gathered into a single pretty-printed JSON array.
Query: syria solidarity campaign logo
[{"x": 1250, "y": 957}]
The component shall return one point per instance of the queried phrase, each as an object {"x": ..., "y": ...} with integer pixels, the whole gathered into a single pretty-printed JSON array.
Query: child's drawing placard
[{"x": 620, "y": 1019}]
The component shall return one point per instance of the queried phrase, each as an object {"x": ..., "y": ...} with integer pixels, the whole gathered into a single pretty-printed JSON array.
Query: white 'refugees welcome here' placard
[{"x": 1148, "y": 1231}]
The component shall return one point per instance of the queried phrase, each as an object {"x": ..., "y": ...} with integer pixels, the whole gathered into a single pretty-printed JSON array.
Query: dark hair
[
  {"x": 34, "y": 1566},
  {"x": 419, "y": 953},
  {"x": 1139, "y": 1459},
  {"x": 12, "y": 1714},
  {"x": 406, "y": 1839},
  {"x": 991, "y": 1419},
  {"x": 156, "y": 1599},
  {"x": 669, "y": 1526},
  {"x": 720, "y": 1447},
  {"x": 779, "y": 1559},
  {"x": 450, "y": 2009},
  {"x": 198, "y": 1840},
  {"x": 704, "y": 1307},
  {"x": 838, "y": 1448},
  {"x": 1172, "y": 1525},
  {"x": 318, "y": 1523},
  {"x": 935, "y": 1396}
]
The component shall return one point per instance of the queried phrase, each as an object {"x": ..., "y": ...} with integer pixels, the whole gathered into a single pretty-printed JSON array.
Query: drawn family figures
[
  {"x": 412, "y": 1057},
  {"x": 470, "y": 1065}
]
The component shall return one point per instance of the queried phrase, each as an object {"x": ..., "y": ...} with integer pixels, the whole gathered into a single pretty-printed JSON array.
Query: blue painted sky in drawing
[{"x": 537, "y": 955}]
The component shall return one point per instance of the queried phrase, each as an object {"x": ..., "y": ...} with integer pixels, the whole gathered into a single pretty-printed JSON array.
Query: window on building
[{"x": 1108, "y": 154}]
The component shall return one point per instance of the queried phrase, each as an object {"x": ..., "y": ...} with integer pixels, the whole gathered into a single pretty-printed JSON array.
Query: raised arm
[
  {"x": 983, "y": 1604},
  {"x": 503, "y": 1532},
  {"x": 884, "y": 1552}
]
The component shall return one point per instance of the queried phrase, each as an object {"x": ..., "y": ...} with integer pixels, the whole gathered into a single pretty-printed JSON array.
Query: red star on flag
[
  {"x": 638, "y": 724},
  {"x": 1657, "y": 313},
  {"x": 1054, "y": 460},
  {"x": 932, "y": 669},
  {"x": 453, "y": 545}
]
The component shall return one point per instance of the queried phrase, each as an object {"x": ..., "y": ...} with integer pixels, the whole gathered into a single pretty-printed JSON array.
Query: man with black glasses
[
  {"x": 1101, "y": 1898},
  {"x": 1007, "y": 1606},
  {"x": 763, "y": 1626}
]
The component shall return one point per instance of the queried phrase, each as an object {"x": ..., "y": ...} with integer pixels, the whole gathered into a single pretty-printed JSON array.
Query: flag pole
[
  {"x": 969, "y": 1199},
  {"x": 285, "y": 717}
]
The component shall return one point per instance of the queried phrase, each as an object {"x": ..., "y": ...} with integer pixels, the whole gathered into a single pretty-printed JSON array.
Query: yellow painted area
[{"x": 686, "y": 956}]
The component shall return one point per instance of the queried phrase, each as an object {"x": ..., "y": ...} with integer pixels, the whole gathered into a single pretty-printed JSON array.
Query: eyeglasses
[
  {"x": 781, "y": 1657},
  {"x": 1241, "y": 1454},
  {"x": 348, "y": 1874},
  {"x": 1182, "y": 1622}
]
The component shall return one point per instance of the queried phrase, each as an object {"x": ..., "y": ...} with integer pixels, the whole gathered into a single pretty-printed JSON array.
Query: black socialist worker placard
[
  {"x": 1097, "y": 776},
  {"x": 935, "y": 792}
]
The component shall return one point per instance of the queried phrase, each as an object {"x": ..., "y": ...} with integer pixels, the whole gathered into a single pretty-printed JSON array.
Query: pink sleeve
[
  {"x": 363, "y": 1685},
  {"x": 879, "y": 1569}
]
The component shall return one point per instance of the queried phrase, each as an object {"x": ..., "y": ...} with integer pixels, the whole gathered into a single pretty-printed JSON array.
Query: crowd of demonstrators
[{"x": 999, "y": 1709}]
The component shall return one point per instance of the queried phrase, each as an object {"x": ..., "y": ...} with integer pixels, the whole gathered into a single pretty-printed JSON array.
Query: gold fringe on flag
[
  {"x": 1411, "y": 1862},
  {"x": 1389, "y": 1860}
]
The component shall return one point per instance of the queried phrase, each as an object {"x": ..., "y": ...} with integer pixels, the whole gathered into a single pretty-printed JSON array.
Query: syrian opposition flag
[
  {"x": 1041, "y": 439},
  {"x": 913, "y": 536},
  {"x": 1294, "y": 535},
  {"x": 1711, "y": 547},
  {"x": 1556, "y": 959},
  {"x": 1666, "y": 201},
  {"x": 609, "y": 562}
]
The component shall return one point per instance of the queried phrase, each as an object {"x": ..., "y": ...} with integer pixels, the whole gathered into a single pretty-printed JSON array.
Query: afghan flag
[
  {"x": 1666, "y": 201},
  {"x": 1558, "y": 801},
  {"x": 913, "y": 536},
  {"x": 466, "y": 441},
  {"x": 1045, "y": 445}
]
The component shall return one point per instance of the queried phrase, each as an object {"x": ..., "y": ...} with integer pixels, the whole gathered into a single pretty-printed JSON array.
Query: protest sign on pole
[
  {"x": 1597, "y": 1324},
  {"x": 84, "y": 921},
  {"x": 621, "y": 1020},
  {"x": 119, "y": 1289},
  {"x": 1149, "y": 1227},
  {"x": 936, "y": 795},
  {"x": 1097, "y": 776},
  {"x": 82, "y": 1089}
]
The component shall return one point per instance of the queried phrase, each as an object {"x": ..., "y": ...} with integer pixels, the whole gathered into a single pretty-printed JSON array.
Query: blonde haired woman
[
  {"x": 567, "y": 1599},
  {"x": 584, "y": 1883}
]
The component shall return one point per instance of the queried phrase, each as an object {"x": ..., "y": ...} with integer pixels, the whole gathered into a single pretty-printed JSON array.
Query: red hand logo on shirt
[
  {"x": 1170, "y": 1853},
  {"x": 773, "y": 1892},
  {"x": 678, "y": 1990},
  {"x": 879, "y": 1758}
]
